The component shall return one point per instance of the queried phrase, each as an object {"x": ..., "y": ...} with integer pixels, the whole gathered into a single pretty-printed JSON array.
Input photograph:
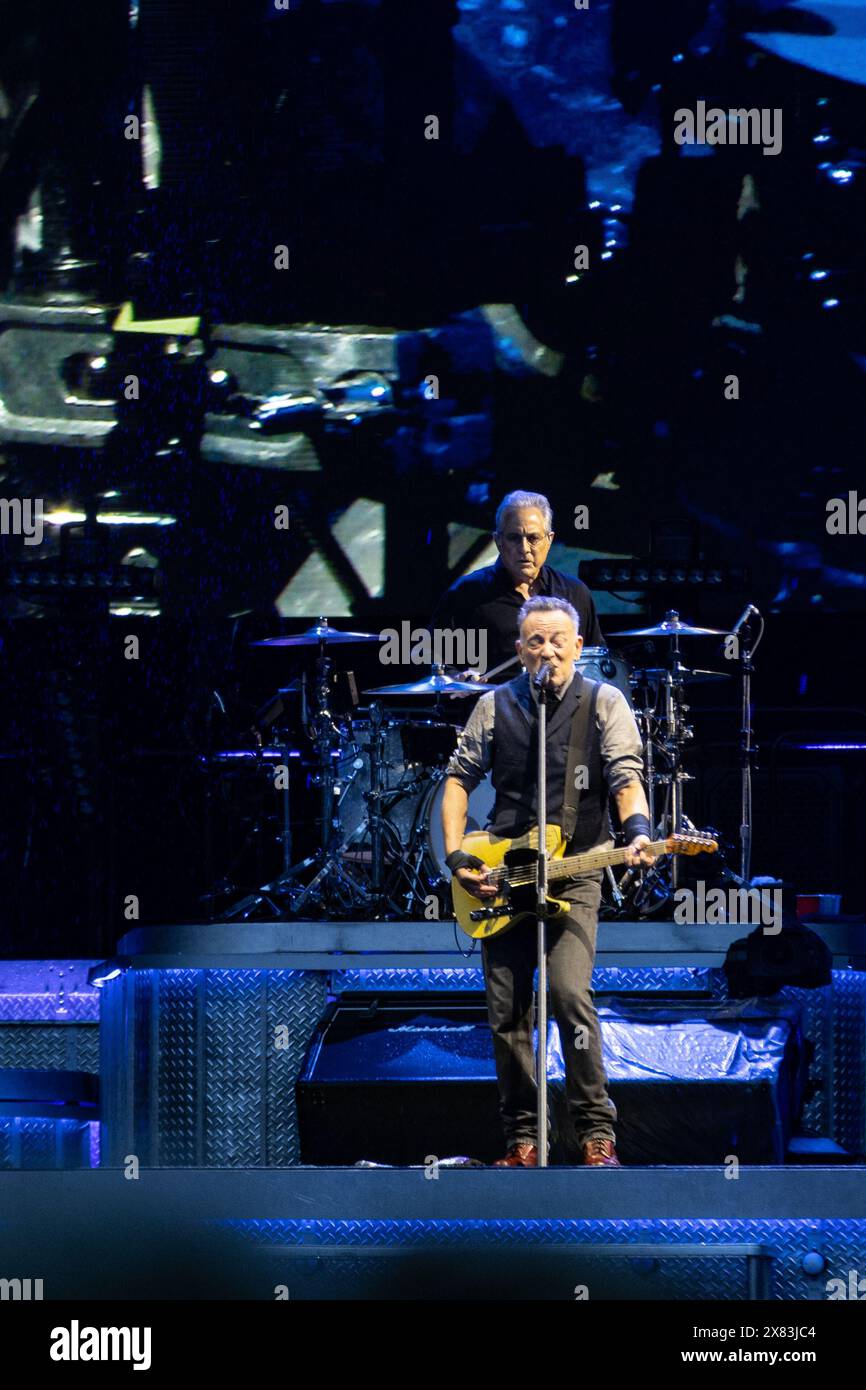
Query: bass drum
[
  {"x": 601, "y": 665},
  {"x": 479, "y": 812}
]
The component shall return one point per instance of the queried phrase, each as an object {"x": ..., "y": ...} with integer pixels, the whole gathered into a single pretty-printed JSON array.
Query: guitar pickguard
[{"x": 496, "y": 851}]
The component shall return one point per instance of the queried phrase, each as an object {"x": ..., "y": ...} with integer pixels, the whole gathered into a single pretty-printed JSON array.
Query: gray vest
[{"x": 572, "y": 743}]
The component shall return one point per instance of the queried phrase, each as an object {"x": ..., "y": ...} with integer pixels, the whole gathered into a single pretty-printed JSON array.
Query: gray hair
[
  {"x": 546, "y": 603},
  {"x": 524, "y": 499}
]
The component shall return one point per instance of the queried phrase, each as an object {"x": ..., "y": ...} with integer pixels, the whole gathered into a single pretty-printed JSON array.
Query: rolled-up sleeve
[
  {"x": 621, "y": 746},
  {"x": 473, "y": 757}
]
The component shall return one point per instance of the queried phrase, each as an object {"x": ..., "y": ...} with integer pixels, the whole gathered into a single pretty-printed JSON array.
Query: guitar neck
[{"x": 596, "y": 859}]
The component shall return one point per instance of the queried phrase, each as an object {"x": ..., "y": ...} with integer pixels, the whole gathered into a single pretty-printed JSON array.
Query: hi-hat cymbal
[
  {"x": 435, "y": 684},
  {"x": 671, "y": 628},
  {"x": 319, "y": 632}
]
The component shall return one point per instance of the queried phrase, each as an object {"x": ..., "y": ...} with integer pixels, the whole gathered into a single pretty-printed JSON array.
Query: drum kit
[{"x": 378, "y": 776}]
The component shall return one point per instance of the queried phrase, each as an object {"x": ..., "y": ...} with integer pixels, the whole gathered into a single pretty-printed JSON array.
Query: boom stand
[{"x": 541, "y": 926}]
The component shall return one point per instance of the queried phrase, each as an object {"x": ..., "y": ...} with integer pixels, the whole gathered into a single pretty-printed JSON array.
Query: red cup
[{"x": 807, "y": 905}]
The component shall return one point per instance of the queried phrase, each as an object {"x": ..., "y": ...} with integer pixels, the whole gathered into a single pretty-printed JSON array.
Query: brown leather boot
[
  {"x": 519, "y": 1156},
  {"x": 600, "y": 1153}
]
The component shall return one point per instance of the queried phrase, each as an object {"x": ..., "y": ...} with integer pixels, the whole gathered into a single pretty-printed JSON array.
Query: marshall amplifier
[{"x": 397, "y": 1078}]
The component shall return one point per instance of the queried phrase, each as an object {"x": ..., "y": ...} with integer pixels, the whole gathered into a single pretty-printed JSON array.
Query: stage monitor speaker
[{"x": 403, "y": 1078}]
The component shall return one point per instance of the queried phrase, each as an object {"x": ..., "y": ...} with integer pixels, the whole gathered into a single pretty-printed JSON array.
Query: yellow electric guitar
[{"x": 512, "y": 865}]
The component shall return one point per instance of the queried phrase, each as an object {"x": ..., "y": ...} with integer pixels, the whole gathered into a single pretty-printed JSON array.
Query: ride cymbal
[
  {"x": 671, "y": 628},
  {"x": 319, "y": 632}
]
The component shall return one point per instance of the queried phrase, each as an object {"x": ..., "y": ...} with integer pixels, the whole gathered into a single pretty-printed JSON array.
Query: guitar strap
[{"x": 582, "y": 728}]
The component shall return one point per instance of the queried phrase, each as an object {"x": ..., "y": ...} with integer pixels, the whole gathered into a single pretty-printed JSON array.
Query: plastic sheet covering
[
  {"x": 745, "y": 1040},
  {"x": 696, "y": 1081}
]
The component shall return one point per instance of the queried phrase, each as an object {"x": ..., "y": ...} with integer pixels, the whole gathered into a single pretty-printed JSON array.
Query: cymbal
[
  {"x": 319, "y": 632},
  {"x": 432, "y": 685},
  {"x": 672, "y": 628},
  {"x": 685, "y": 674}
]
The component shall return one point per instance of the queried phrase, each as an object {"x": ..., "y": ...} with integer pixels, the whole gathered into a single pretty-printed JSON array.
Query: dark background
[{"x": 303, "y": 128}]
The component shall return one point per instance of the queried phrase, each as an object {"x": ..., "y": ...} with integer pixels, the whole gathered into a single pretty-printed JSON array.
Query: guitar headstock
[{"x": 691, "y": 844}]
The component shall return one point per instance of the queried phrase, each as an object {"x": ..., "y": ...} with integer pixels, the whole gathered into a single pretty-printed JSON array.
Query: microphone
[
  {"x": 743, "y": 618},
  {"x": 542, "y": 676}
]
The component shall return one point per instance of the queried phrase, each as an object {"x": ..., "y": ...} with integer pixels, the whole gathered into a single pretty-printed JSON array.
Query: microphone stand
[
  {"x": 747, "y": 753},
  {"x": 541, "y": 929}
]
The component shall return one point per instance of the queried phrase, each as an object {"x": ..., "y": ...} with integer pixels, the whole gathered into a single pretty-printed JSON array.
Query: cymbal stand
[
  {"x": 664, "y": 737},
  {"x": 269, "y": 894},
  {"x": 373, "y": 798},
  {"x": 677, "y": 733},
  {"x": 421, "y": 874},
  {"x": 330, "y": 884},
  {"x": 639, "y": 890},
  {"x": 748, "y": 749}
]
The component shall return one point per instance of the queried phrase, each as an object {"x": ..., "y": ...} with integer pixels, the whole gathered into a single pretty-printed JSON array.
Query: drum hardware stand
[
  {"x": 616, "y": 894},
  {"x": 375, "y": 898},
  {"x": 748, "y": 750},
  {"x": 331, "y": 883},
  {"x": 665, "y": 736},
  {"x": 637, "y": 885},
  {"x": 374, "y": 800},
  {"x": 649, "y": 766},
  {"x": 285, "y": 892},
  {"x": 677, "y": 734},
  {"x": 327, "y": 738},
  {"x": 376, "y": 818},
  {"x": 639, "y": 888},
  {"x": 262, "y": 897},
  {"x": 417, "y": 851}
]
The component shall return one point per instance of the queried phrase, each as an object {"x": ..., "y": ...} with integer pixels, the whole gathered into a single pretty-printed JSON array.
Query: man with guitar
[{"x": 594, "y": 751}]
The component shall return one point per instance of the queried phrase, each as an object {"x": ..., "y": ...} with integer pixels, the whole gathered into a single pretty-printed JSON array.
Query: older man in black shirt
[{"x": 490, "y": 598}]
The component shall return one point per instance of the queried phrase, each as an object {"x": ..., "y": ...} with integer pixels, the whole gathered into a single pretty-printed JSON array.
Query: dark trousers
[{"x": 509, "y": 965}]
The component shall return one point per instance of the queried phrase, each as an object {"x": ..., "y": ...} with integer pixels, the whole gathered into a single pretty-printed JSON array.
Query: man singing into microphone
[{"x": 502, "y": 736}]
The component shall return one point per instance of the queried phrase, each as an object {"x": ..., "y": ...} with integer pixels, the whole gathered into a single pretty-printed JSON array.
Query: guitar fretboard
[{"x": 577, "y": 864}]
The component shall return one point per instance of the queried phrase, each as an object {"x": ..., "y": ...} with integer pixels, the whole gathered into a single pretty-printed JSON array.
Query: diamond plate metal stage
[
  {"x": 204, "y": 1028},
  {"x": 203, "y": 1031},
  {"x": 682, "y": 1233}
]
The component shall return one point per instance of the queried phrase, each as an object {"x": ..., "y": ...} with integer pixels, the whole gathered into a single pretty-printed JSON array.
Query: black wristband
[
  {"x": 636, "y": 825},
  {"x": 459, "y": 859}
]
